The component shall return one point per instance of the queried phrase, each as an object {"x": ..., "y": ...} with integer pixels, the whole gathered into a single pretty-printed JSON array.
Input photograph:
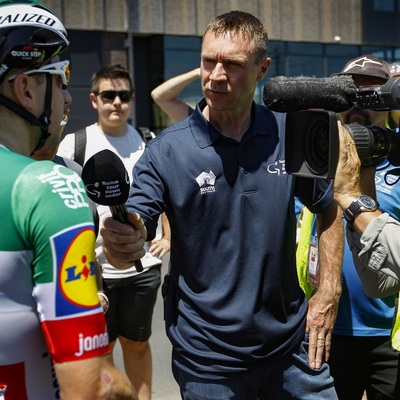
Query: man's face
[
  {"x": 113, "y": 114},
  {"x": 361, "y": 116},
  {"x": 229, "y": 71}
]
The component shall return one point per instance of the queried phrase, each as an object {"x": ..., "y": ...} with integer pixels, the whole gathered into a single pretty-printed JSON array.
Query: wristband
[{"x": 105, "y": 298}]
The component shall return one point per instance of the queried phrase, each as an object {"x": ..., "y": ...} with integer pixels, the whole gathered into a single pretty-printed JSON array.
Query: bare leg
[{"x": 138, "y": 365}]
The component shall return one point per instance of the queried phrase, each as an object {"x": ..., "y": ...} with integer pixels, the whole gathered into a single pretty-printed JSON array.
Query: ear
[
  {"x": 26, "y": 92},
  {"x": 93, "y": 99},
  {"x": 266, "y": 62}
]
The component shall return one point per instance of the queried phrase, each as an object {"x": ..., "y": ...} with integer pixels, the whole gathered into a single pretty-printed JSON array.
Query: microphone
[
  {"x": 107, "y": 183},
  {"x": 337, "y": 93},
  {"x": 286, "y": 94}
]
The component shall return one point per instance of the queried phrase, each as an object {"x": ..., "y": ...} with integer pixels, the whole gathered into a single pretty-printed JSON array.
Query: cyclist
[{"x": 53, "y": 335}]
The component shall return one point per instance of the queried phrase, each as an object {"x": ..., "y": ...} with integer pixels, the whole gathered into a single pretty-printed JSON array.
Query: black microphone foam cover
[
  {"x": 285, "y": 94},
  {"x": 106, "y": 179},
  {"x": 107, "y": 183}
]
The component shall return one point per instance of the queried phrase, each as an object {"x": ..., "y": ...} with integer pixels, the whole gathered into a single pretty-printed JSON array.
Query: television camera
[{"x": 312, "y": 138}]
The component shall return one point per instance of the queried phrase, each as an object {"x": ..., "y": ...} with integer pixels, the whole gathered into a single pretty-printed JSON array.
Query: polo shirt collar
[{"x": 205, "y": 134}]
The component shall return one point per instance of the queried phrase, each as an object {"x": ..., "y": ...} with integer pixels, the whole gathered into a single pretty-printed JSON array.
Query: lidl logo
[{"x": 76, "y": 273}]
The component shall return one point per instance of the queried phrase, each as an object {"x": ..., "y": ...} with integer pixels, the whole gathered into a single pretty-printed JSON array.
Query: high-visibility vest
[
  {"x": 395, "y": 334},
  {"x": 306, "y": 219}
]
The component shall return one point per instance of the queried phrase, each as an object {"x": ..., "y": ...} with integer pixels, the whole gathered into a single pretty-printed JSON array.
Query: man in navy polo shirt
[{"x": 234, "y": 311}]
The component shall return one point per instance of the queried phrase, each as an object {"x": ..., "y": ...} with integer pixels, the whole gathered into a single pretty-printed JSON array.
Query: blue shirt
[{"x": 233, "y": 301}]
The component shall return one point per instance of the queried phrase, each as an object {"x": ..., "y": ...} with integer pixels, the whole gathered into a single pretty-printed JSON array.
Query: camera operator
[
  {"x": 373, "y": 237},
  {"x": 363, "y": 325}
]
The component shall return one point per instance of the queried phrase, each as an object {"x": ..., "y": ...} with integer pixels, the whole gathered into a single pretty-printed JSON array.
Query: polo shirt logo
[
  {"x": 206, "y": 181},
  {"x": 277, "y": 167}
]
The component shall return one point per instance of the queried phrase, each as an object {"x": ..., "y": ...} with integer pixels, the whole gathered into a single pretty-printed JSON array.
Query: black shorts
[
  {"x": 376, "y": 369},
  {"x": 132, "y": 302}
]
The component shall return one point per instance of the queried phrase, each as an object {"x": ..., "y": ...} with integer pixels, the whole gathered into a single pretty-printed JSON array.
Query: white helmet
[{"x": 30, "y": 35}]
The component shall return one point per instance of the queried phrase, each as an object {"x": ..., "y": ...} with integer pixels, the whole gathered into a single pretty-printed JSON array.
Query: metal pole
[{"x": 131, "y": 68}]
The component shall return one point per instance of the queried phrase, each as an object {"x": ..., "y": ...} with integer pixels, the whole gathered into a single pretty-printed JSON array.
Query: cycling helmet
[{"x": 30, "y": 35}]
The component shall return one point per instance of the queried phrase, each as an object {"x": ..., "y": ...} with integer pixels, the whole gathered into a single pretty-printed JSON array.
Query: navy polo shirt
[{"x": 233, "y": 301}]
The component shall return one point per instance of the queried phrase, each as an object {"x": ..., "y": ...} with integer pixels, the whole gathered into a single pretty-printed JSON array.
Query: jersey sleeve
[{"x": 57, "y": 224}]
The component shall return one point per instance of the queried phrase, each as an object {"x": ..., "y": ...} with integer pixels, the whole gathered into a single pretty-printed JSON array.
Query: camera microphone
[
  {"x": 286, "y": 94},
  {"x": 336, "y": 93},
  {"x": 107, "y": 183}
]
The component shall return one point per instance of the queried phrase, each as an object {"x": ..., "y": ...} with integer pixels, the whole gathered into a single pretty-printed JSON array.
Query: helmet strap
[
  {"x": 43, "y": 121},
  {"x": 45, "y": 117}
]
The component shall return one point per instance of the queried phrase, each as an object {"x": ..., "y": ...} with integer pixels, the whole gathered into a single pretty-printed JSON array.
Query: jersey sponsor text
[
  {"x": 89, "y": 343},
  {"x": 67, "y": 185}
]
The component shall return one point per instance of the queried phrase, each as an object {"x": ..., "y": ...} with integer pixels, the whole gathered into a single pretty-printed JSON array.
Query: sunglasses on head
[
  {"x": 60, "y": 68},
  {"x": 109, "y": 95}
]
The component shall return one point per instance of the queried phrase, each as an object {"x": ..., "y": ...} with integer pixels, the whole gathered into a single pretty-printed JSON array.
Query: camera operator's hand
[
  {"x": 347, "y": 178},
  {"x": 351, "y": 180}
]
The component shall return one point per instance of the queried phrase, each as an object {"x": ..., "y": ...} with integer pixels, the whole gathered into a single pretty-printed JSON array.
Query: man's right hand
[{"x": 122, "y": 243}]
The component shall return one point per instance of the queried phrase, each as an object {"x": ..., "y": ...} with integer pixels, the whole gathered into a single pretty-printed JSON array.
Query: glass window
[
  {"x": 304, "y": 65},
  {"x": 341, "y": 50},
  {"x": 277, "y": 53},
  {"x": 305, "y": 48},
  {"x": 182, "y": 54},
  {"x": 377, "y": 51},
  {"x": 336, "y": 65},
  {"x": 290, "y": 59},
  {"x": 384, "y": 5},
  {"x": 182, "y": 42},
  {"x": 380, "y": 5}
]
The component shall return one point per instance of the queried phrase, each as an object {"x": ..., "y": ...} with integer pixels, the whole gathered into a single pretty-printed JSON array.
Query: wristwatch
[{"x": 360, "y": 204}]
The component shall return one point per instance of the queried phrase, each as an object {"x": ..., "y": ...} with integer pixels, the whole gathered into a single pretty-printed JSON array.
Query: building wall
[
  {"x": 290, "y": 20},
  {"x": 157, "y": 39}
]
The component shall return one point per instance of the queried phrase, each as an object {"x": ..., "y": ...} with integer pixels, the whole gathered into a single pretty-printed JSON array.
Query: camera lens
[
  {"x": 312, "y": 143},
  {"x": 316, "y": 146},
  {"x": 374, "y": 144}
]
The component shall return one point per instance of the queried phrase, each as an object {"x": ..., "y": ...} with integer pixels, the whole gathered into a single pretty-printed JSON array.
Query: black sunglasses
[{"x": 110, "y": 95}]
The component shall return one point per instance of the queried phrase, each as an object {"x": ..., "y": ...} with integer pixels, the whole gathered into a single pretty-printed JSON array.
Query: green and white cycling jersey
[{"x": 49, "y": 309}]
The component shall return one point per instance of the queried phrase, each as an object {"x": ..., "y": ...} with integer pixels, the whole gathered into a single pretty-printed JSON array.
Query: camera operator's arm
[{"x": 373, "y": 237}]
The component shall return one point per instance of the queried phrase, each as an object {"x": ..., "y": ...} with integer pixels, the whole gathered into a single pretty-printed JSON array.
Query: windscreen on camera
[{"x": 312, "y": 137}]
